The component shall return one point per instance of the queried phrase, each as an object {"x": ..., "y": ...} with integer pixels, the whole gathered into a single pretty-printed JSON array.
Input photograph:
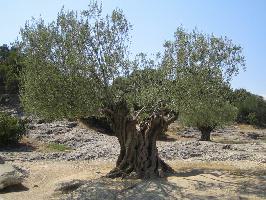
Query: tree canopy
[
  {"x": 202, "y": 66},
  {"x": 71, "y": 62}
]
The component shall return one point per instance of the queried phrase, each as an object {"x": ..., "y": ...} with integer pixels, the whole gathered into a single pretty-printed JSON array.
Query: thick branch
[{"x": 136, "y": 116}]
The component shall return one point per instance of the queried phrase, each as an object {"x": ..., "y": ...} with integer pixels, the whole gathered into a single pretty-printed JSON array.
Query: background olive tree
[{"x": 203, "y": 66}]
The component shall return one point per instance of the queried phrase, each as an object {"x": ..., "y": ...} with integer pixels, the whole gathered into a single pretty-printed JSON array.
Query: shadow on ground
[
  {"x": 14, "y": 188},
  {"x": 190, "y": 184},
  {"x": 21, "y": 147},
  {"x": 125, "y": 189}
]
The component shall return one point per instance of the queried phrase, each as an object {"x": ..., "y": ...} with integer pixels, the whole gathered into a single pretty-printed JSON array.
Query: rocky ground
[
  {"x": 54, "y": 152},
  {"x": 78, "y": 143}
]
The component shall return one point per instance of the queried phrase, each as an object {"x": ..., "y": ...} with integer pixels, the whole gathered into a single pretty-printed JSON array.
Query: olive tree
[
  {"x": 72, "y": 69},
  {"x": 202, "y": 67},
  {"x": 209, "y": 106}
]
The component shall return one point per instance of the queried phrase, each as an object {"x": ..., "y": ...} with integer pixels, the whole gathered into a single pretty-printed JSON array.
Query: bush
[{"x": 11, "y": 129}]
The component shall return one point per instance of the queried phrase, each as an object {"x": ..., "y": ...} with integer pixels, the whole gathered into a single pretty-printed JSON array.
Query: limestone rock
[{"x": 10, "y": 175}]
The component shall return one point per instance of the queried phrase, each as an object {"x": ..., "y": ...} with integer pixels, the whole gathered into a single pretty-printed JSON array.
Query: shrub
[{"x": 11, "y": 129}]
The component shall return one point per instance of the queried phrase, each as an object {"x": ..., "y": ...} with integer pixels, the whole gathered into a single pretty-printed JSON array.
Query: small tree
[
  {"x": 208, "y": 105},
  {"x": 202, "y": 67}
]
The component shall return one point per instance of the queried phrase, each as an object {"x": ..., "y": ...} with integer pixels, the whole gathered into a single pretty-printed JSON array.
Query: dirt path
[{"x": 193, "y": 180}]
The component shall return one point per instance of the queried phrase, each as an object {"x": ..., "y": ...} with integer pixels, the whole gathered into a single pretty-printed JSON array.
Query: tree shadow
[
  {"x": 20, "y": 147},
  {"x": 255, "y": 187},
  {"x": 198, "y": 184},
  {"x": 166, "y": 138},
  {"x": 113, "y": 189},
  {"x": 187, "y": 173},
  {"x": 117, "y": 189},
  {"x": 14, "y": 188}
]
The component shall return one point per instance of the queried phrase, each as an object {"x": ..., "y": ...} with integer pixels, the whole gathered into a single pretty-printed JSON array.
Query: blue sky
[{"x": 154, "y": 21}]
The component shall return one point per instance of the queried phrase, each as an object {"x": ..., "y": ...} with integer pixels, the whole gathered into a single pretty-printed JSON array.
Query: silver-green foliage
[
  {"x": 206, "y": 103},
  {"x": 202, "y": 67},
  {"x": 71, "y": 62}
]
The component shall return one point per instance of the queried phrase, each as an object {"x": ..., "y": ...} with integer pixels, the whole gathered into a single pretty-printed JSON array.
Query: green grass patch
[{"x": 57, "y": 147}]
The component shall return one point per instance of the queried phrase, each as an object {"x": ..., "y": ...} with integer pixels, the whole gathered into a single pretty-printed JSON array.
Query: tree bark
[
  {"x": 205, "y": 133},
  {"x": 138, "y": 152}
]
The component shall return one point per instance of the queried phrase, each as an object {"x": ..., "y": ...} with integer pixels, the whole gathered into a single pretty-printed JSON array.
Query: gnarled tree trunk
[{"x": 138, "y": 152}]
